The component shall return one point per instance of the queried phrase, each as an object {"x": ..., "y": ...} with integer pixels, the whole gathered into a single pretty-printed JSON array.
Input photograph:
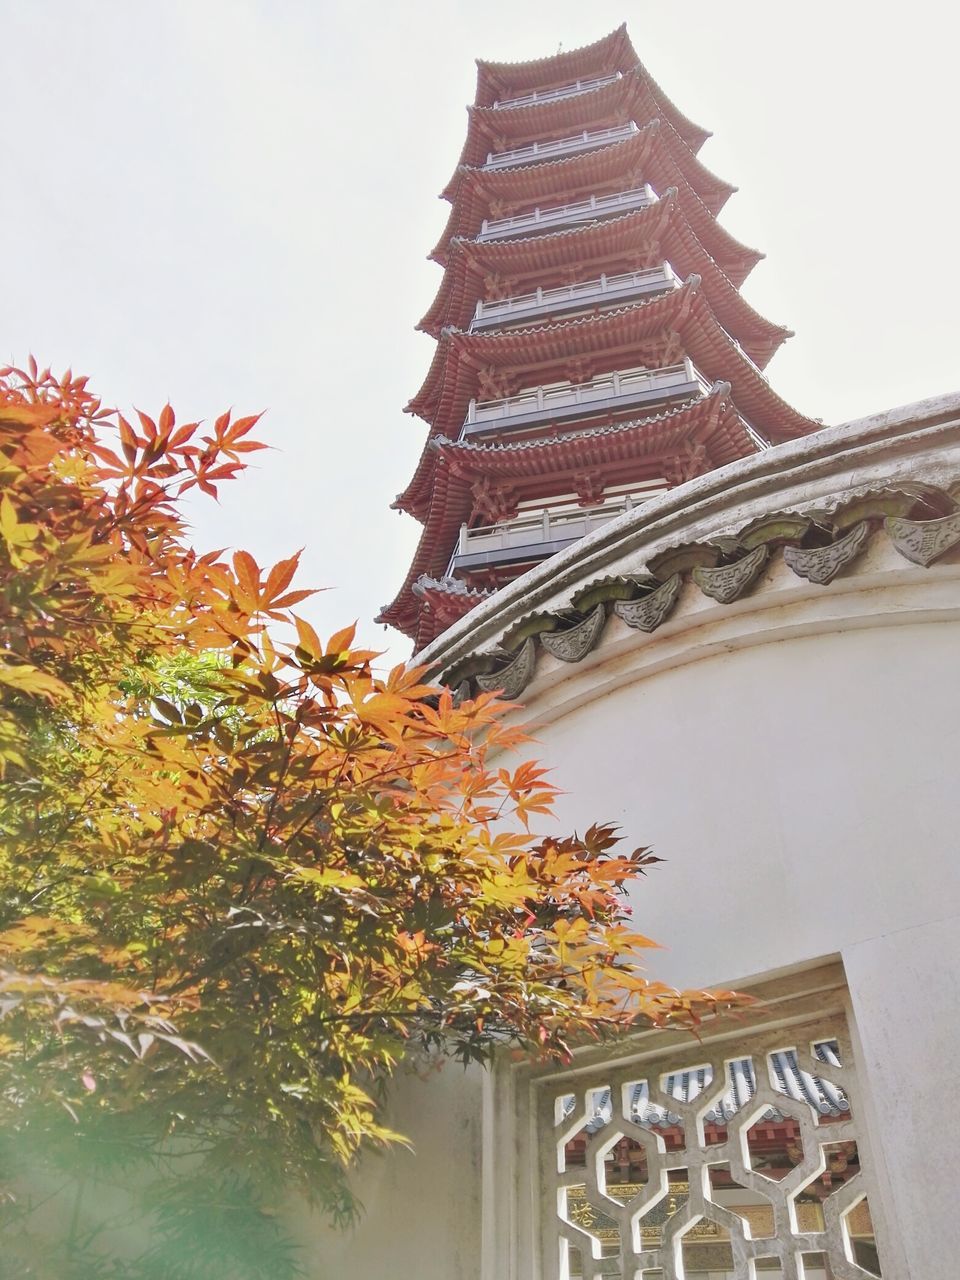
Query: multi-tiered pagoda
[{"x": 593, "y": 348}]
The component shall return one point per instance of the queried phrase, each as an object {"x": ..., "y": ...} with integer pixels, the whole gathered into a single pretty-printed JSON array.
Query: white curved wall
[
  {"x": 804, "y": 793},
  {"x": 794, "y": 757}
]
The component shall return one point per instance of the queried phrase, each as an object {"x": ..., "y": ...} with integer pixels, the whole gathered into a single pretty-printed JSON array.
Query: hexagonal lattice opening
[
  {"x": 601, "y": 1236},
  {"x": 740, "y": 1086},
  {"x": 571, "y": 1264},
  {"x": 653, "y": 1217},
  {"x": 828, "y": 1100},
  {"x": 641, "y": 1110},
  {"x": 754, "y": 1209},
  {"x": 578, "y": 1123},
  {"x": 860, "y": 1239},
  {"x": 623, "y": 1168},
  {"x": 814, "y": 1266},
  {"x": 774, "y": 1144},
  {"x": 705, "y": 1250},
  {"x": 841, "y": 1163}
]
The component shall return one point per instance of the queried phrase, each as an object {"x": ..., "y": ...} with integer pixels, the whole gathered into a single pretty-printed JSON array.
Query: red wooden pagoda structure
[{"x": 593, "y": 348}]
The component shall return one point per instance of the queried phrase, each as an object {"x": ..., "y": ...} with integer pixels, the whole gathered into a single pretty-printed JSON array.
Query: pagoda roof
[
  {"x": 442, "y": 601},
  {"x": 611, "y": 53},
  {"x": 643, "y": 157},
  {"x": 661, "y": 228},
  {"x": 631, "y": 97},
  {"x": 710, "y": 420},
  {"x": 607, "y": 338}
]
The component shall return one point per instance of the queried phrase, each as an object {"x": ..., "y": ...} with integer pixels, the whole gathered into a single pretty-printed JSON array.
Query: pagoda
[{"x": 593, "y": 348}]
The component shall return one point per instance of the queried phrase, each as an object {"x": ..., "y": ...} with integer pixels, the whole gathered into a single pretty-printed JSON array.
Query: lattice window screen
[{"x": 711, "y": 1164}]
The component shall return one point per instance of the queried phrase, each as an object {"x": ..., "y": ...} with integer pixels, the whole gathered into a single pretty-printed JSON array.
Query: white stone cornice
[{"x": 916, "y": 444}]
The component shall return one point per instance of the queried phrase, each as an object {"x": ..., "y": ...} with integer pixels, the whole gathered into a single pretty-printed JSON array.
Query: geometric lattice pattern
[{"x": 744, "y": 1165}]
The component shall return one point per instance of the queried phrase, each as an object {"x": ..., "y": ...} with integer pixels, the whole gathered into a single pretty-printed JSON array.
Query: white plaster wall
[
  {"x": 793, "y": 755},
  {"x": 421, "y": 1205},
  {"x": 804, "y": 793}
]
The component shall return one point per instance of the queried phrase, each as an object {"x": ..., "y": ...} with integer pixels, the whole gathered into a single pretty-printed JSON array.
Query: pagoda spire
[{"x": 593, "y": 348}]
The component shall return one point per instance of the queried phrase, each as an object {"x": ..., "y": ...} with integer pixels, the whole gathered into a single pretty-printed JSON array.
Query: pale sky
[{"x": 226, "y": 202}]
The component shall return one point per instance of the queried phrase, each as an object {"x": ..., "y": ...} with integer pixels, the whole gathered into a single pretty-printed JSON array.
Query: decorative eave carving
[
  {"x": 512, "y": 679},
  {"x": 576, "y": 642},
  {"x": 923, "y": 541},
  {"x": 649, "y": 611},
  {"x": 731, "y": 580},
  {"x": 919, "y": 541},
  {"x": 822, "y": 564}
]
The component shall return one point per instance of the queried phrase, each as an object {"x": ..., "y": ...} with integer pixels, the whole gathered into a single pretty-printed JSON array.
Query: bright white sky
[{"x": 227, "y": 202}]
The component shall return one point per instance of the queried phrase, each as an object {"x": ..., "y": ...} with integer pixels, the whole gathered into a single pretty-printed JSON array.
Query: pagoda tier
[
  {"x": 678, "y": 322},
  {"x": 593, "y": 347},
  {"x": 625, "y": 165},
  {"x": 489, "y": 482},
  {"x": 635, "y": 241},
  {"x": 614, "y": 54},
  {"x": 494, "y": 134}
]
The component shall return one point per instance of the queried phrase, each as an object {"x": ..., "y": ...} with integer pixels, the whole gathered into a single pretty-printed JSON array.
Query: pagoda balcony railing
[
  {"x": 622, "y": 390},
  {"x": 573, "y": 297},
  {"x": 564, "y": 91},
  {"x": 557, "y": 216},
  {"x": 537, "y": 534},
  {"x": 537, "y": 151}
]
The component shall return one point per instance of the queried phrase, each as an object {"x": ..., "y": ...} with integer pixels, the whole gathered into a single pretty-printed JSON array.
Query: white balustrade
[
  {"x": 535, "y": 151},
  {"x": 564, "y": 91},
  {"x": 538, "y": 528},
  {"x": 557, "y": 215},
  {"x": 622, "y": 385},
  {"x": 604, "y": 288}
]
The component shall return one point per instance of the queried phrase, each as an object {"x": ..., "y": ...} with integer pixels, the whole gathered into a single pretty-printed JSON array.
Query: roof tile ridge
[
  {"x": 668, "y": 102},
  {"x": 745, "y": 250},
  {"x": 676, "y": 211},
  {"x": 490, "y": 64},
  {"x": 702, "y": 303}
]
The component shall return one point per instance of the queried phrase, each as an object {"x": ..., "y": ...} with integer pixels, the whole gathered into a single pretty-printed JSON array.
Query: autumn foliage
[{"x": 242, "y": 874}]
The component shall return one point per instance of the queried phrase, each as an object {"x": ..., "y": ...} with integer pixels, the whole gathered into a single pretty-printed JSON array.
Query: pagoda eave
[
  {"x": 711, "y": 422},
  {"x": 713, "y": 415},
  {"x": 630, "y": 97},
  {"x": 559, "y": 180},
  {"x": 614, "y": 52},
  {"x": 660, "y": 230}
]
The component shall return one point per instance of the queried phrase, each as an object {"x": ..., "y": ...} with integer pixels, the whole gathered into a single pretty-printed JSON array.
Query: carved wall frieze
[
  {"x": 647, "y": 613},
  {"x": 576, "y": 642},
  {"x": 512, "y": 679},
  {"x": 731, "y": 580},
  {"x": 680, "y": 559},
  {"x": 923, "y": 541},
  {"x": 822, "y": 564},
  {"x": 775, "y": 529},
  {"x": 919, "y": 541}
]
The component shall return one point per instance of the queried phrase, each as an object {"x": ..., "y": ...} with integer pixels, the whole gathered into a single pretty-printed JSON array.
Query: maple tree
[{"x": 242, "y": 873}]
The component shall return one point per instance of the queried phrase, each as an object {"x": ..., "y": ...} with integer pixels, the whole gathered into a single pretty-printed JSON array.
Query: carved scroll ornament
[
  {"x": 731, "y": 580},
  {"x": 923, "y": 541},
  {"x": 647, "y": 613},
  {"x": 822, "y": 564},
  {"x": 576, "y": 642},
  {"x": 512, "y": 679}
]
